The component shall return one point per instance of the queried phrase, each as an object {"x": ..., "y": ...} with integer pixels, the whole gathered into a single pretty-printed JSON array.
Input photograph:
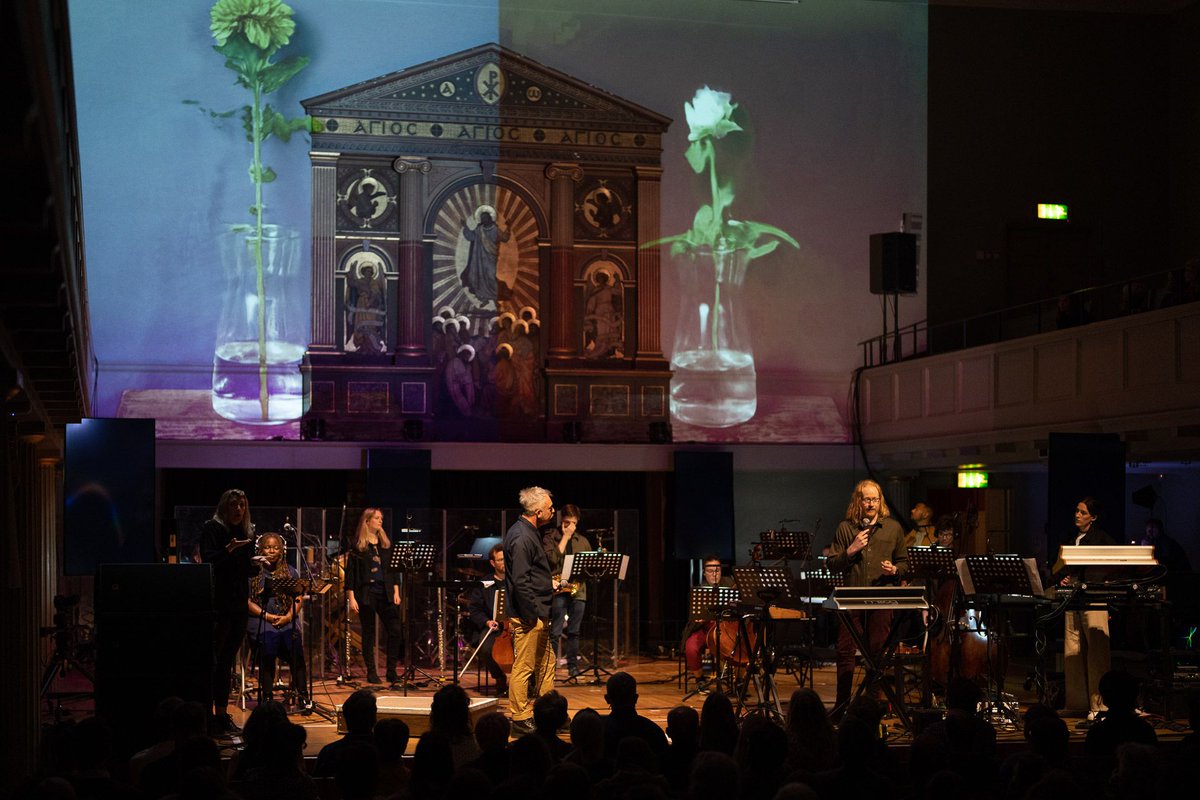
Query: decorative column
[
  {"x": 649, "y": 277},
  {"x": 563, "y": 178},
  {"x": 410, "y": 332},
  {"x": 324, "y": 256}
]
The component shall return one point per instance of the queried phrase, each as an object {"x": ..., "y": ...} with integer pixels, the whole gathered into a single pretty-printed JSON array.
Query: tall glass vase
[
  {"x": 261, "y": 339},
  {"x": 714, "y": 384}
]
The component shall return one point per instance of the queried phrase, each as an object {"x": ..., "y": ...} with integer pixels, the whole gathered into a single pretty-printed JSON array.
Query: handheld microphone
[{"x": 287, "y": 526}]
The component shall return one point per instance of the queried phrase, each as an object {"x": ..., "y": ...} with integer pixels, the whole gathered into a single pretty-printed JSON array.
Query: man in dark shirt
[
  {"x": 621, "y": 695},
  {"x": 527, "y": 590},
  {"x": 868, "y": 547},
  {"x": 484, "y": 629}
]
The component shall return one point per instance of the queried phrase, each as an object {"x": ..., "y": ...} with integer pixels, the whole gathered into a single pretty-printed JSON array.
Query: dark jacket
[
  {"x": 358, "y": 573},
  {"x": 527, "y": 585},
  {"x": 231, "y": 571}
]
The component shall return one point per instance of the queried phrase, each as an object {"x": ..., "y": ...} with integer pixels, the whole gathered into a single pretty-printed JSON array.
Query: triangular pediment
[{"x": 485, "y": 84}]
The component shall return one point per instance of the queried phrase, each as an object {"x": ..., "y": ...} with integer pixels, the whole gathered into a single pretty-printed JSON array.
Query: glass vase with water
[
  {"x": 714, "y": 385},
  {"x": 261, "y": 339}
]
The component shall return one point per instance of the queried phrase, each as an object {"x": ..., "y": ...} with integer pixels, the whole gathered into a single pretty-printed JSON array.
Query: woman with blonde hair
[{"x": 372, "y": 591}]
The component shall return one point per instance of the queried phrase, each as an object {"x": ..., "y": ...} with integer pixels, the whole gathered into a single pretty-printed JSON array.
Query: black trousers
[
  {"x": 377, "y": 606},
  {"x": 228, "y": 632}
]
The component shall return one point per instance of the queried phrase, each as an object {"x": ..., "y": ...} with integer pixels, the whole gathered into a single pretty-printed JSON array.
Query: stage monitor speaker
[
  {"x": 703, "y": 488},
  {"x": 154, "y": 639},
  {"x": 398, "y": 479},
  {"x": 1082, "y": 465},
  {"x": 893, "y": 263}
]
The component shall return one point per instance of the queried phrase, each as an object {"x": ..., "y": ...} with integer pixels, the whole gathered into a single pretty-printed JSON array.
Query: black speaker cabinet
[
  {"x": 154, "y": 639},
  {"x": 893, "y": 263}
]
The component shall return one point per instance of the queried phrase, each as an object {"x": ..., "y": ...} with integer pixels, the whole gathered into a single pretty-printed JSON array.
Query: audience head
[
  {"x": 806, "y": 713},
  {"x": 963, "y": 694},
  {"x": 468, "y": 783},
  {"x": 530, "y": 756},
  {"x": 868, "y": 710},
  {"x": 587, "y": 733},
  {"x": 683, "y": 726},
  {"x": 360, "y": 710},
  {"x": 856, "y": 742},
  {"x": 450, "y": 711},
  {"x": 713, "y": 775},
  {"x": 491, "y": 732},
  {"x": 634, "y": 755},
  {"x": 1046, "y": 733},
  {"x": 187, "y": 720},
  {"x": 1119, "y": 691},
  {"x": 567, "y": 780},
  {"x": 1140, "y": 772},
  {"x": 163, "y": 720},
  {"x": 550, "y": 713},
  {"x": 796, "y": 791},
  {"x": 391, "y": 739},
  {"x": 91, "y": 743},
  {"x": 357, "y": 772},
  {"x": 718, "y": 724},
  {"x": 433, "y": 764},
  {"x": 621, "y": 691}
]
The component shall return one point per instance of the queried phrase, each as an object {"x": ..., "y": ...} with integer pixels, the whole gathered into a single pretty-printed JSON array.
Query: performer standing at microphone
[
  {"x": 272, "y": 619},
  {"x": 868, "y": 547},
  {"x": 226, "y": 542},
  {"x": 373, "y": 592}
]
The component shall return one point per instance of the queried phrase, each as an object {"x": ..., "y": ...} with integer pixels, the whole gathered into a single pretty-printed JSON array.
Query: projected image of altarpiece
[{"x": 476, "y": 271}]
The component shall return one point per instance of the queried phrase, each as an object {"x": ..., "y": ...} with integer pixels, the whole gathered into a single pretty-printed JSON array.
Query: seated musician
[
  {"x": 923, "y": 533},
  {"x": 695, "y": 633},
  {"x": 946, "y": 532},
  {"x": 271, "y": 625},
  {"x": 480, "y": 605}
]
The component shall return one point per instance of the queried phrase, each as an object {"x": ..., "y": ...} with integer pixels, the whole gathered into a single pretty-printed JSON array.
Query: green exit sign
[{"x": 1052, "y": 211}]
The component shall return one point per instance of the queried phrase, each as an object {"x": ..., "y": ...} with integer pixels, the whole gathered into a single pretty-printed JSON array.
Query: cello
[{"x": 959, "y": 645}]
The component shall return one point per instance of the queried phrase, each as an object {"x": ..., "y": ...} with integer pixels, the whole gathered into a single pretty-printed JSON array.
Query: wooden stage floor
[{"x": 659, "y": 691}]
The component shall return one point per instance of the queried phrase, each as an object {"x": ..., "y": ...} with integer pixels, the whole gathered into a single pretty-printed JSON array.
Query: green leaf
[
  {"x": 762, "y": 250},
  {"x": 698, "y": 155},
  {"x": 275, "y": 75}
]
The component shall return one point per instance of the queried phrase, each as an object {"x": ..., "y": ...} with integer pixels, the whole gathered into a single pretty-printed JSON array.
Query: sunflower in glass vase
[{"x": 256, "y": 376}]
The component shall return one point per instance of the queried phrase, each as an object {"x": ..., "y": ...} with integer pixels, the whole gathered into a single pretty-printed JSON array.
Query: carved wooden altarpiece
[{"x": 476, "y": 271}]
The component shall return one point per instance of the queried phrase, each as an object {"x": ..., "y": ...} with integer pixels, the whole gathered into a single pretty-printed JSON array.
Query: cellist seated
[
  {"x": 695, "y": 633},
  {"x": 480, "y": 602}
]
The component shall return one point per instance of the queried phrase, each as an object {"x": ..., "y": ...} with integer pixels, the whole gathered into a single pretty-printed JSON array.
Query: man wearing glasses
[
  {"x": 695, "y": 633},
  {"x": 528, "y": 589},
  {"x": 868, "y": 548}
]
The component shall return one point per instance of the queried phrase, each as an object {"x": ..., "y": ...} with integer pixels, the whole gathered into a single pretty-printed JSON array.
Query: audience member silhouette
[
  {"x": 587, "y": 745},
  {"x": 811, "y": 737},
  {"x": 391, "y": 740},
  {"x": 623, "y": 720},
  {"x": 718, "y": 725},
  {"x": 1121, "y": 723},
  {"x": 683, "y": 729},
  {"x": 450, "y": 715},
  {"x": 359, "y": 712},
  {"x": 549, "y": 716},
  {"x": 491, "y": 734}
]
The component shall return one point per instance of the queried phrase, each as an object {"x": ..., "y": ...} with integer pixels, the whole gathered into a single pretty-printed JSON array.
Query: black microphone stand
[{"x": 308, "y": 704}]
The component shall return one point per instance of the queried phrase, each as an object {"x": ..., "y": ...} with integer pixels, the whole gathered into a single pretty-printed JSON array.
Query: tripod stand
[
  {"x": 594, "y": 566},
  {"x": 62, "y": 661}
]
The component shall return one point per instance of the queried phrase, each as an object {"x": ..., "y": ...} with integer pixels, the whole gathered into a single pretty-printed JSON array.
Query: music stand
[
  {"x": 785, "y": 545},
  {"x": 410, "y": 558},
  {"x": 931, "y": 565},
  {"x": 991, "y": 576},
  {"x": 709, "y": 604},
  {"x": 595, "y": 565},
  {"x": 760, "y": 587}
]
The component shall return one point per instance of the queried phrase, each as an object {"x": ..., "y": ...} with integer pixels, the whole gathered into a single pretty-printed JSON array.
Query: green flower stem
[
  {"x": 719, "y": 213},
  {"x": 264, "y": 400}
]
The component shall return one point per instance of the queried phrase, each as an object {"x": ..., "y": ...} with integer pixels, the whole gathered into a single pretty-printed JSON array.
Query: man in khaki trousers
[{"x": 528, "y": 589}]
